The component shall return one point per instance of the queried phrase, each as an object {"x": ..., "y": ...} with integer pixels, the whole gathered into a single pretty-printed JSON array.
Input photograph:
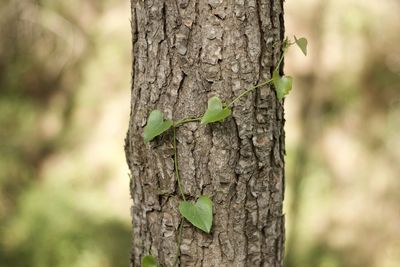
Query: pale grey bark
[{"x": 184, "y": 52}]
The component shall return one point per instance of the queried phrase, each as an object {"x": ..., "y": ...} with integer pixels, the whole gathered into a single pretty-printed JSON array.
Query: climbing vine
[{"x": 200, "y": 213}]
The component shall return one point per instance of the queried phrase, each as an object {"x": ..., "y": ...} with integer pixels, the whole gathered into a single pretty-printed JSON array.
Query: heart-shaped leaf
[
  {"x": 283, "y": 84},
  {"x": 198, "y": 214},
  {"x": 302, "y": 44},
  {"x": 215, "y": 111},
  {"x": 155, "y": 125},
  {"x": 149, "y": 261}
]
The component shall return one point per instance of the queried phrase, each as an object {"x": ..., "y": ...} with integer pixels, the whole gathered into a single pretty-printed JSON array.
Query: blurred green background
[{"x": 64, "y": 107}]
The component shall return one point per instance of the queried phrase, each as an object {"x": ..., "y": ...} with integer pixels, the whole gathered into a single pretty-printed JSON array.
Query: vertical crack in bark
[
  {"x": 262, "y": 42},
  {"x": 164, "y": 18},
  {"x": 271, "y": 17},
  {"x": 281, "y": 31}
]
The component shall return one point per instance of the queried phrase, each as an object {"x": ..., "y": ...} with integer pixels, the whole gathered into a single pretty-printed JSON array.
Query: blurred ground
[{"x": 64, "y": 107}]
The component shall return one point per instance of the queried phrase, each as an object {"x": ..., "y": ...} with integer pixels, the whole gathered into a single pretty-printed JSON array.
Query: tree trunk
[{"x": 184, "y": 52}]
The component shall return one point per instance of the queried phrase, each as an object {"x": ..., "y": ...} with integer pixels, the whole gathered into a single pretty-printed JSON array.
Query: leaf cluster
[{"x": 200, "y": 213}]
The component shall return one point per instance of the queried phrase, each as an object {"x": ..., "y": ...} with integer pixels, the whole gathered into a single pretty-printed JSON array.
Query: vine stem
[
  {"x": 185, "y": 120},
  {"x": 176, "y": 165},
  {"x": 248, "y": 91},
  {"x": 260, "y": 84},
  {"x": 284, "y": 50},
  {"x": 280, "y": 61}
]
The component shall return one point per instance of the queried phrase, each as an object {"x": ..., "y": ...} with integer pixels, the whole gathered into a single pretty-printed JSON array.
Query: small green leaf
[
  {"x": 283, "y": 84},
  {"x": 215, "y": 111},
  {"x": 149, "y": 261},
  {"x": 302, "y": 44},
  {"x": 198, "y": 214},
  {"x": 155, "y": 125}
]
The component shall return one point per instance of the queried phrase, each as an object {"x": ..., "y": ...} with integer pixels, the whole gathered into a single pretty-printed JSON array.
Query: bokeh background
[{"x": 64, "y": 107}]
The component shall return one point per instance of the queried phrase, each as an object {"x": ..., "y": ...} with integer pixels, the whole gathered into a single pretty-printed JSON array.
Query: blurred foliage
[
  {"x": 50, "y": 229},
  {"x": 64, "y": 107},
  {"x": 343, "y": 138},
  {"x": 63, "y": 200}
]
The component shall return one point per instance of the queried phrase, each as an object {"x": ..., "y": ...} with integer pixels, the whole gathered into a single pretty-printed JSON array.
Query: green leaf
[
  {"x": 198, "y": 214},
  {"x": 283, "y": 84},
  {"x": 215, "y": 111},
  {"x": 155, "y": 125},
  {"x": 149, "y": 261},
  {"x": 302, "y": 44}
]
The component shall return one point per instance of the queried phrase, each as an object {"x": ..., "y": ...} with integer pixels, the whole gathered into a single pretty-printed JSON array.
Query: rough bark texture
[{"x": 184, "y": 52}]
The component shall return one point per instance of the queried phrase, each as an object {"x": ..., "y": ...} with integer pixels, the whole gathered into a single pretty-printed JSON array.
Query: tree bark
[{"x": 184, "y": 52}]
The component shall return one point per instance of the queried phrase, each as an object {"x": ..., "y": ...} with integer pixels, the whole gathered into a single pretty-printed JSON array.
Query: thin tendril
[
  {"x": 248, "y": 91},
  {"x": 185, "y": 120},
  {"x": 176, "y": 165}
]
